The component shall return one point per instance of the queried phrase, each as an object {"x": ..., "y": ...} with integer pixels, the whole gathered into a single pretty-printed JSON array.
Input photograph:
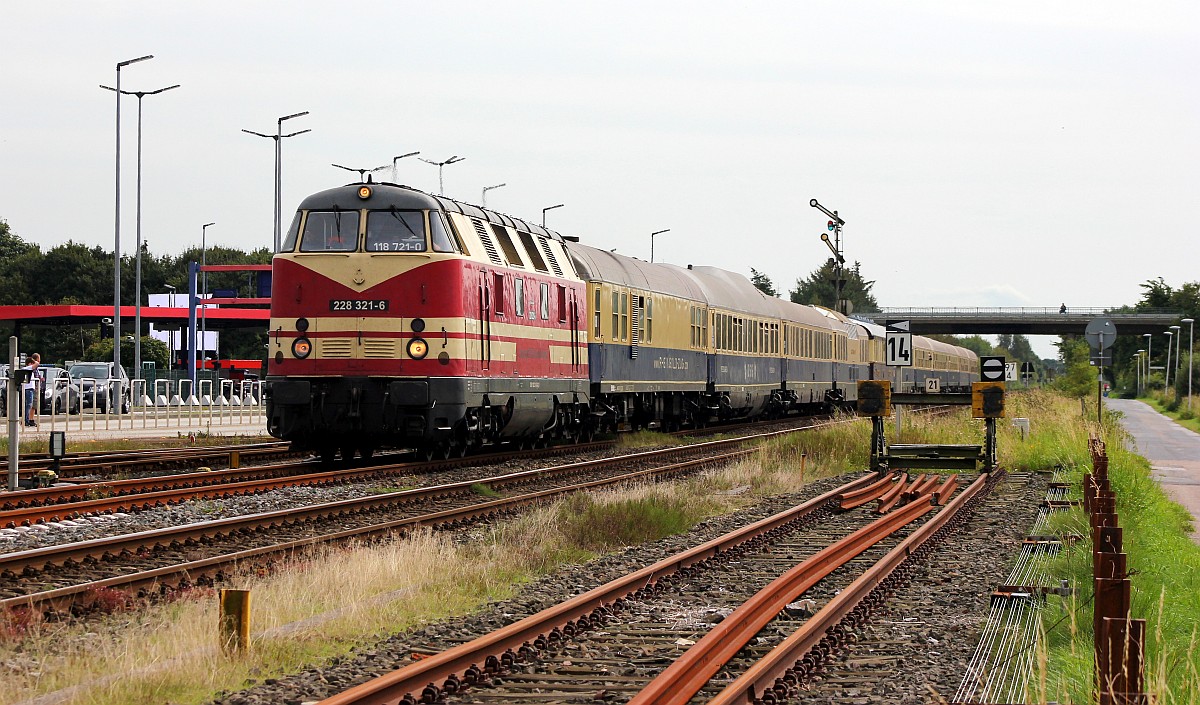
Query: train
[{"x": 404, "y": 319}]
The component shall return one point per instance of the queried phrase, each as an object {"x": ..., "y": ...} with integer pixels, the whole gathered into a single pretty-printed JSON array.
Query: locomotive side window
[
  {"x": 330, "y": 231},
  {"x": 519, "y": 296},
  {"x": 293, "y": 232},
  {"x": 437, "y": 234},
  {"x": 545, "y": 289},
  {"x": 395, "y": 231}
]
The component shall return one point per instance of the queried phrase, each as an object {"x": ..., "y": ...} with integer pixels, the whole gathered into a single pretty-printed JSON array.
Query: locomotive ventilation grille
[
  {"x": 336, "y": 347},
  {"x": 379, "y": 348},
  {"x": 488, "y": 245}
]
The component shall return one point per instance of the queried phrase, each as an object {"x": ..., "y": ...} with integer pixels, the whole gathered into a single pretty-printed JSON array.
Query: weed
[{"x": 484, "y": 491}]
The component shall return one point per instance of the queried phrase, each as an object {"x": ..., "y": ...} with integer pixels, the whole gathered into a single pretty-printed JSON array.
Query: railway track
[
  {"x": 71, "y": 500},
  {"x": 55, "y": 577},
  {"x": 647, "y": 637},
  {"x": 107, "y": 464}
]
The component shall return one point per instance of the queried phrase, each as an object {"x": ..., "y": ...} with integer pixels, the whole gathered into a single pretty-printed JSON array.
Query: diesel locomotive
[{"x": 404, "y": 319}]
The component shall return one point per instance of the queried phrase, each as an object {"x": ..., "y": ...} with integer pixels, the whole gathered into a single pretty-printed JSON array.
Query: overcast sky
[{"x": 982, "y": 154}]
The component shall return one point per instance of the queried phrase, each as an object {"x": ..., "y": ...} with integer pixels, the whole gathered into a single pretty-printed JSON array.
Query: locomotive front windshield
[
  {"x": 390, "y": 230},
  {"x": 330, "y": 231},
  {"x": 395, "y": 231}
]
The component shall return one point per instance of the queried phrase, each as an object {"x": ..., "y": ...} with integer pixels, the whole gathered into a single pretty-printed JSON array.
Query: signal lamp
[
  {"x": 301, "y": 324},
  {"x": 364, "y": 192},
  {"x": 418, "y": 325},
  {"x": 301, "y": 347},
  {"x": 418, "y": 348}
]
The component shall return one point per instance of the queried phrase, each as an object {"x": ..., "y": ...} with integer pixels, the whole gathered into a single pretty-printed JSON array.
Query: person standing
[{"x": 29, "y": 389}]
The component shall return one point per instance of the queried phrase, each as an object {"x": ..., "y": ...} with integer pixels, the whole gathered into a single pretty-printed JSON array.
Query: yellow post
[
  {"x": 235, "y": 459},
  {"x": 803, "y": 460},
  {"x": 235, "y": 620}
]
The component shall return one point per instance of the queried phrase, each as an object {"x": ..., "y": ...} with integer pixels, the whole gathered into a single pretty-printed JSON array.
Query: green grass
[
  {"x": 1163, "y": 561},
  {"x": 484, "y": 491},
  {"x": 1179, "y": 412}
]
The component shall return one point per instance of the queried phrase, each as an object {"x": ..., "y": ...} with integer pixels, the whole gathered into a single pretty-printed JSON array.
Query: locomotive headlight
[
  {"x": 418, "y": 348},
  {"x": 301, "y": 347},
  {"x": 364, "y": 192}
]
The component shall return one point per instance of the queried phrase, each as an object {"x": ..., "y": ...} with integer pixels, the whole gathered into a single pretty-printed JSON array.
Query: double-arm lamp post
[{"x": 279, "y": 137}]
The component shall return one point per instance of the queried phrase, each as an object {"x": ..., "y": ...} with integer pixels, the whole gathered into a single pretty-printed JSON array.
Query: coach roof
[{"x": 593, "y": 264}]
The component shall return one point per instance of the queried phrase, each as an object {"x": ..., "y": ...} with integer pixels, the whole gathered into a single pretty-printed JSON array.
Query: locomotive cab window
[
  {"x": 438, "y": 234},
  {"x": 396, "y": 231},
  {"x": 293, "y": 233},
  {"x": 330, "y": 231}
]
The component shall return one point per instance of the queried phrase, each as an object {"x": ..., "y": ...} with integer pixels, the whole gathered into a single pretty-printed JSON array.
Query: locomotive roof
[{"x": 387, "y": 195}]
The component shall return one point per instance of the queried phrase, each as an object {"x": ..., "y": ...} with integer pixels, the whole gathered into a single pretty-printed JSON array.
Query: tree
[
  {"x": 819, "y": 288},
  {"x": 1079, "y": 378},
  {"x": 152, "y": 351},
  {"x": 763, "y": 282},
  {"x": 18, "y": 265}
]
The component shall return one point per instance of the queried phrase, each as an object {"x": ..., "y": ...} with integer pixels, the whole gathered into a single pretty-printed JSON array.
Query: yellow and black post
[
  {"x": 235, "y": 620},
  {"x": 987, "y": 403},
  {"x": 875, "y": 400}
]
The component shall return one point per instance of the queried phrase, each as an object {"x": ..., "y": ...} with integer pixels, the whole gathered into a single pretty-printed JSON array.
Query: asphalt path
[{"x": 1173, "y": 452}]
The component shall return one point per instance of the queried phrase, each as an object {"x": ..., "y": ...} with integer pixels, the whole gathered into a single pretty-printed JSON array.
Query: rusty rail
[
  {"x": 776, "y": 676},
  {"x": 445, "y": 673},
  {"x": 680, "y": 681}
]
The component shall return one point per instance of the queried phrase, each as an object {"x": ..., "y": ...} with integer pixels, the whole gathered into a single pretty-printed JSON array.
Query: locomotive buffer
[{"x": 875, "y": 399}]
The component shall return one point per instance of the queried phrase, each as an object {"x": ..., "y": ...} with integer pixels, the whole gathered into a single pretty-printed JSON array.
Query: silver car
[{"x": 96, "y": 381}]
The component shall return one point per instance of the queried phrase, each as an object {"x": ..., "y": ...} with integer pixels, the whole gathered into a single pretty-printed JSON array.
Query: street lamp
[
  {"x": 483, "y": 196},
  {"x": 117, "y": 238},
  {"x": 1190, "y": 323},
  {"x": 171, "y": 332},
  {"x": 1177, "y": 339},
  {"x": 1167, "y": 370},
  {"x": 835, "y": 225},
  {"x": 549, "y": 208},
  {"x": 279, "y": 137},
  {"x": 452, "y": 160},
  {"x": 204, "y": 288},
  {"x": 1149, "y": 357},
  {"x": 362, "y": 172},
  {"x": 396, "y": 159},
  {"x": 1140, "y": 353},
  {"x": 656, "y": 232},
  {"x": 137, "y": 308}
]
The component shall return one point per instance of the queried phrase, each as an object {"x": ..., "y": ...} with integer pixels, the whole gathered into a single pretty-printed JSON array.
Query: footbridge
[{"x": 1024, "y": 320}]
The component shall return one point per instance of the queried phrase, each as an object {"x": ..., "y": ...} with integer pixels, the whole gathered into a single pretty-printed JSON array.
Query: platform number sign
[{"x": 898, "y": 350}]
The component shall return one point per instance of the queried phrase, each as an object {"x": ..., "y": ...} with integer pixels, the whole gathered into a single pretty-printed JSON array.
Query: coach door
[{"x": 573, "y": 318}]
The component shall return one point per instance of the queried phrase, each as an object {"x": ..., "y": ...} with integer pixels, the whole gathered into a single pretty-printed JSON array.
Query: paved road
[{"x": 1173, "y": 452}]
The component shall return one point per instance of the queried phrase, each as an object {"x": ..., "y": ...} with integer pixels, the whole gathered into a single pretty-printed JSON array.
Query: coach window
[
  {"x": 624, "y": 316},
  {"x": 648, "y": 315},
  {"x": 289, "y": 242},
  {"x": 616, "y": 316},
  {"x": 596, "y": 318},
  {"x": 330, "y": 231},
  {"x": 545, "y": 289},
  {"x": 519, "y": 297},
  {"x": 395, "y": 231},
  {"x": 438, "y": 235}
]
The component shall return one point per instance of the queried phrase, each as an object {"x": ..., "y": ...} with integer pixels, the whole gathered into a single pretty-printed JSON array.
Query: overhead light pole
[
  {"x": 835, "y": 226},
  {"x": 452, "y": 160},
  {"x": 396, "y": 159},
  {"x": 117, "y": 239},
  {"x": 483, "y": 196},
  {"x": 549, "y": 208},
  {"x": 1149, "y": 356},
  {"x": 137, "y": 306},
  {"x": 1178, "y": 337},
  {"x": 279, "y": 137},
  {"x": 1138, "y": 389},
  {"x": 1190, "y": 323},
  {"x": 1167, "y": 369},
  {"x": 362, "y": 172},
  {"x": 204, "y": 289},
  {"x": 656, "y": 232}
]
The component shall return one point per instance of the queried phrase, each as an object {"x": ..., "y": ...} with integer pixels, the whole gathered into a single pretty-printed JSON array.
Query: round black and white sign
[{"x": 991, "y": 369}]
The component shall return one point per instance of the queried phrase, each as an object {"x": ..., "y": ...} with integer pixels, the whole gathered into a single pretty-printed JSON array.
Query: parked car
[
  {"x": 59, "y": 392},
  {"x": 95, "y": 381}
]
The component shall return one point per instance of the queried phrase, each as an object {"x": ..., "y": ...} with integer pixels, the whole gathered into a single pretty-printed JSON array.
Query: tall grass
[{"x": 1163, "y": 561}]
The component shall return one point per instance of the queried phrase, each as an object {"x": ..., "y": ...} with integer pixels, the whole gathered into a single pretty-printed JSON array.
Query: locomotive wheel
[
  {"x": 459, "y": 450},
  {"x": 347, "y": 453},
  {"x": 426, "y": 452},
  {"x": 366, "y": 450},
  {"x": 328, "y": 454},
  {"x": 445, "y": 450}
]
